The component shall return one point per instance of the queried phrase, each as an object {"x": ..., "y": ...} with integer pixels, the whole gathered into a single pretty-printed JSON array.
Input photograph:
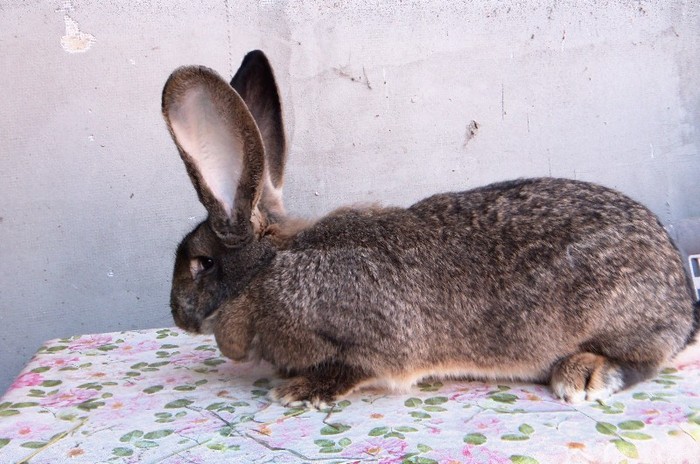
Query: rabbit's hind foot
[{"x": 592, "y": 377}]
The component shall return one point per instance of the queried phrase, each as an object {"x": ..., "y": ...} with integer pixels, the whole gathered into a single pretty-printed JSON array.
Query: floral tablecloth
[{"x": 162, "y": 396}]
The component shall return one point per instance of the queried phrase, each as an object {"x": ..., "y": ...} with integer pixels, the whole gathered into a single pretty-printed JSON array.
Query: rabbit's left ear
[{"x": 221, "y": 146}]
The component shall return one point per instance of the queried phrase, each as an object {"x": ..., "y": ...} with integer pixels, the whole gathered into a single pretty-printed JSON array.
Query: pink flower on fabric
[
  {"x": 287, "y": 432},
  {"x": 388, "y": 451},
  {"x": 28, "y": 379},
  {"x": 198, "y": 424},
  {"x": 69, "y": 398},
  {"x": 484, "y": 455},
  {"x": 58, "y": 362},
  {"x": 134, "y": 348},
  {"x": 187, "y": 458},
  {"x": 693, "y": 365},
  {"x": 124, "y": 409},
  {"x": 190, "y": 358},
  {"x": 657, "y": 413},
  {"x": 28, "y": 430},
  {"x": 434, "y": 430},
  {"x": 471, "y": 393},
  {"x": 666, "y": 415},
  {"x": 90, "y": 342},
  {"x": 487, "y": 424},
  {"x": 446, "y": 456},
  {"x": 182, "y": 378}
]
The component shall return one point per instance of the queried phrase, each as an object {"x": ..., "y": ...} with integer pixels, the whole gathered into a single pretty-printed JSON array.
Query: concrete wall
[{"x": 386, "y": 102}]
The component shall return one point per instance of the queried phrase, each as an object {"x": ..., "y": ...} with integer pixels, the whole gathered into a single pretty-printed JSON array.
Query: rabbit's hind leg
[{"x": 588, "y": 376}]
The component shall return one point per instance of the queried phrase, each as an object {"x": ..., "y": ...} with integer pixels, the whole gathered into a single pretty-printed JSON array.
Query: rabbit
[{"x": 541, "y": 280}]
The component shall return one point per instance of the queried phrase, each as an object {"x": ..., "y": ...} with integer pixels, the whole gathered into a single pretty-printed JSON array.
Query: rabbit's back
[{"x": 524, "y": 271}]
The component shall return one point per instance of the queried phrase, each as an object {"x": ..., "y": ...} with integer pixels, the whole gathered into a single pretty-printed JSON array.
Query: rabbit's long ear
[
  {"x": 255, "y": 83},
  {"x": 221, "y": 146}
]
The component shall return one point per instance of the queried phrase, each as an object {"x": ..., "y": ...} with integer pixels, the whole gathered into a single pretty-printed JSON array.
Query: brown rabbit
[{"x": 544, "y": 280}]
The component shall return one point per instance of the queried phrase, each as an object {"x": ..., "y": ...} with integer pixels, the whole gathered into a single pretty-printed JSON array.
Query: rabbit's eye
[
  {"x": 206, "y": 262},
  {"x": 200, "y": 264}
]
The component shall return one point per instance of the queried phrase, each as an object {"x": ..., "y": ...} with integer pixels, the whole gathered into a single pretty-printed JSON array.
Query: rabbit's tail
[{"x": 696, "y": 324}]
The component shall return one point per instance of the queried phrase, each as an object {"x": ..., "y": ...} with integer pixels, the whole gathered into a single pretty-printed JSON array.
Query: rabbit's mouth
[{"x": 189, "y": 316}]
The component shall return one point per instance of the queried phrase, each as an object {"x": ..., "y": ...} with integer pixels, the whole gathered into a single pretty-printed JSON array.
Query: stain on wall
[{"x": 75, "y": 40}]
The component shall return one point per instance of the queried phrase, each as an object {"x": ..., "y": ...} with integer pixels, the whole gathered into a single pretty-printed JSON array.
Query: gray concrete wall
[{"x": 383, "y": 103}]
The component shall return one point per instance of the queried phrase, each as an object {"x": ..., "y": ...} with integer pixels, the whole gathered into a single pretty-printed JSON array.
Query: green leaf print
[
  {"x": 431, "y": 408},
  {"x": 475, "y": 439},
  {"x": 158, "y": 434},
  {"x": 54, "y": 349},
  {"x": 436, "y": 400},
  {"x": 262, "y": 383},
  {"x": 514, "y": 437},
  {"x": 508, "y": 398},
  {"x": 26, "y": 404},
  {"x": 419, "y": 460},
  {"x": 517, "y": 459},
  {"x": 213, "y": 362},
  {"x": 413, "y": 402},
  {"x": 34, "y": 444},
  {"x": 181, "y": 403},
  {"x": 145, "y": 444},
  {"x": 122, "y": 452},
  {"x": 405, "y": 429},
  {"x": 631, "y": 425},
  {"x": 377, "y": 431},
  {"x": 526, "y": 429},
  {"x": 184, "y": 388},
  {"x": 333, "y": 449},
  {"x": 130, "y": 436},
  {"x": 605, "y": 428},
  {"x": 91, "y": 386},
  {"x": 636, "y": 435},
  {"x": 429, "y": 386},
  {"x": 89, "y": 405},
  {"x": 626, "y": 448},
  {"x": 334, "y": 429}
]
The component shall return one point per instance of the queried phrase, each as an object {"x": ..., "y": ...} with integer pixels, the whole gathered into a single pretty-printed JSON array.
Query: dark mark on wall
[
  {"x": 472, "y": 128},
  {"x": 342, "y": 72}
]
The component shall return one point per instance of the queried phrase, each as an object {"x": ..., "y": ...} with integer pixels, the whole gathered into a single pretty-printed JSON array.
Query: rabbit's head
[{"x": 231, "y": 139}]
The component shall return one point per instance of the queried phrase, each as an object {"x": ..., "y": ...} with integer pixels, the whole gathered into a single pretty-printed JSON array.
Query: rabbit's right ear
[
  {"x": 221, "y": 146},
  {"x": 255, "y": 83}
]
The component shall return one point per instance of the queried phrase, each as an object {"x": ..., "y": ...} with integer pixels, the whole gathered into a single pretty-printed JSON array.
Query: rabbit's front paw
[
  {"x": 302, "y": 392},
  {"x": 319, "y": 385}
]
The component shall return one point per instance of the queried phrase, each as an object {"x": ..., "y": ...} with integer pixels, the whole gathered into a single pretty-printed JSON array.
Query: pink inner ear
[{"x": 207, "y": 135}]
